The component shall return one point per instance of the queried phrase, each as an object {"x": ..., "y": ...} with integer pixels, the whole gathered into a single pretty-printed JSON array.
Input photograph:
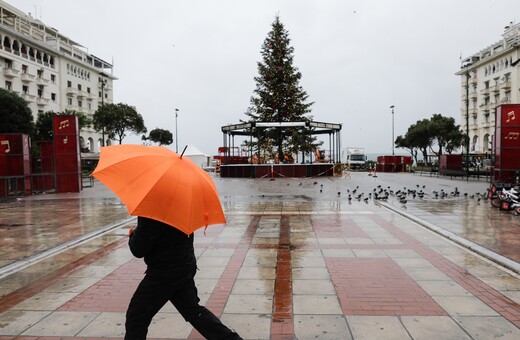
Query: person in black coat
[{"x": 171, "y": 266}]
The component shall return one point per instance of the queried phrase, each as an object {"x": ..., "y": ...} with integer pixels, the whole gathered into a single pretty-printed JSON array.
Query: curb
[
  {"x": 21, "y": 264},
  {"x": 484, "y": 252}
]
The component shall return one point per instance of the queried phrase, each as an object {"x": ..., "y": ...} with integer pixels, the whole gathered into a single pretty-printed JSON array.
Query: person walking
[{"x": 171, "y": 267}]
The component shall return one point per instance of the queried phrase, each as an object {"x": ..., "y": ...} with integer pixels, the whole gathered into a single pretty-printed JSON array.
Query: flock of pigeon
[{"x": 403, "y": 195}]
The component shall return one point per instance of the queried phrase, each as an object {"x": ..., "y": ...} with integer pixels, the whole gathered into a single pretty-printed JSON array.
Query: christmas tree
[{"x": 278, "y": 97}]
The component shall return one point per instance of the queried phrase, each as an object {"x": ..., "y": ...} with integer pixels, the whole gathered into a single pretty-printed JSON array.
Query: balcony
[
  {"x": 485, "y": 92},
  {"x": 506, "y": 85},
  {"x": 495, "y": 88},
  {"x": 473, "y": 96},
  {"x": 42, "y": 81},
  {"x": 71, "y": 91},
  {"x": 473, "y": 112},
  {"x": 71, "y": 107},
  {"x": 473, "y": 80},
  {"x": 505, "y": 101},
  {"x": 82, "y": 94},
  {"x": 28, "y": 97},
  {"x": 42, "y": 101},
  {"x": 10, "y": 72},
  {"x": 26, "y": 77}
]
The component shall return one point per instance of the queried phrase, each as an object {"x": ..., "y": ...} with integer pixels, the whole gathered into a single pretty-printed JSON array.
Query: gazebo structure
[{"x": 306, "y": 167}]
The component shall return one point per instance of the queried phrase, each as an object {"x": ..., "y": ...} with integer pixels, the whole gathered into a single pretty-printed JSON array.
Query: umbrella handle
[{"x": 184, "y": 150}]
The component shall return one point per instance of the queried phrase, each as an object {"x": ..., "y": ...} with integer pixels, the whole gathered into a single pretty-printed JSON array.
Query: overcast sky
[{"x": 357, "y": 58}]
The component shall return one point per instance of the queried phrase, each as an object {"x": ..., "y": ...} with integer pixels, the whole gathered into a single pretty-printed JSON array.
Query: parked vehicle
[
  {"x": 354, "y": 157},
  {"x": 506, "y": 200}
]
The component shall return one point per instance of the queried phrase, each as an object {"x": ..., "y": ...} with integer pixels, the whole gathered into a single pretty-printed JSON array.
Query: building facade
[
  {"x": 489, "y": 78},
  {"x": 51, "y": 71}
]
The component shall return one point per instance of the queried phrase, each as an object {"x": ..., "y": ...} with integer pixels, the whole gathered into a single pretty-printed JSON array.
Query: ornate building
[
  {"x": 489, "y": 78},
  {"x": 51, "y": 71}
]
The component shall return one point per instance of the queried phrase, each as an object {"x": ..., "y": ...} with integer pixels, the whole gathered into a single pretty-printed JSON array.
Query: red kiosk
[
  {"x": 393, "y": 163},
  {"x": 67, "y": 153},
  {"x": 15, "y": 165},
  {"x": 506, "y": 147}
]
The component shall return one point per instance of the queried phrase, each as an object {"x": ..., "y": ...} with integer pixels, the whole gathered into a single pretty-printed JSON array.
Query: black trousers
[{"x": 153, "y": 293}]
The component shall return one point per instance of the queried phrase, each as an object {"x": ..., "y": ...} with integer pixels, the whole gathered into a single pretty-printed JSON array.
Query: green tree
[
  {"x": 278, "y": 97},
  {"x": 419, "y": 135},
  {"x": 404, "y": 143},
  {"x": 15, "y": 115},
  {"x": 163, "y": 137},
  {"x": 445, "y": 133},
  {"x": 117, "y": 120},
  {"x": 44, "y": 129}
]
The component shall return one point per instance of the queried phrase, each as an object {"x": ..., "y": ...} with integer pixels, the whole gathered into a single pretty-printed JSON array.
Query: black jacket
[{"x": 167, "y": 251}]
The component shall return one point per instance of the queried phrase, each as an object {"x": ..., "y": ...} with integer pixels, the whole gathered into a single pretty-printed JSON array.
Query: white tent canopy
[{"x": 197, "y": 156}]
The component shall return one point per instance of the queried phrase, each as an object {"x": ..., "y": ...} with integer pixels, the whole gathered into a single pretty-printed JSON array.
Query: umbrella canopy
[{"x": 155, "y": 182}]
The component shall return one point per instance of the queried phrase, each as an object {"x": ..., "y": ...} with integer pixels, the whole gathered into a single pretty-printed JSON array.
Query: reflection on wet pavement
[
  {"x": 36, "y": 224},
  {"x": 297, "y": 259}
]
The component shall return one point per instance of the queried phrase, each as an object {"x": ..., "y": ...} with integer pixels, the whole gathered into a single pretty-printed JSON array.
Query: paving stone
[
  {"x": 331, "y": 327},
  {"x": 377, "y": 327},
  {"x": 61, "y": 324},
  {"x": 433, "y": 327}
]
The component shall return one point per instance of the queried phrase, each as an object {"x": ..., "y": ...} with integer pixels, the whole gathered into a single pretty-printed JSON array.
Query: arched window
[
  {"x": 486, "y": 143},
  {"x": 16, "y": 47},
  {"x": 90, "y": 144},
  {"x": 474, "y": 144},
  {"x": 7, "y": 44}
]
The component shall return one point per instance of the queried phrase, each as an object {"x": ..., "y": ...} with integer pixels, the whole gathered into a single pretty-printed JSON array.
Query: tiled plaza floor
[{"x": 296, "y": 260}]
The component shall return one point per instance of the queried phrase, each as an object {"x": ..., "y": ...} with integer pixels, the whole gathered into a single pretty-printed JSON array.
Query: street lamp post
[
  {"x": 392, "y": 107},
  {"x": 176, "y": 134},
  {"x": 467, "y": 124},
  {"x": 103, "y": 83}
]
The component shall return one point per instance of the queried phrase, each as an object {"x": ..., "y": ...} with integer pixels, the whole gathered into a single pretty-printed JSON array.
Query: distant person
[{"x": 171, "y": 266}]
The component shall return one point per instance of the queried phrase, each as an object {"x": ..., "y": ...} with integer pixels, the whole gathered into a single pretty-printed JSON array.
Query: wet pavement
[{"x": 297, "y": 259}]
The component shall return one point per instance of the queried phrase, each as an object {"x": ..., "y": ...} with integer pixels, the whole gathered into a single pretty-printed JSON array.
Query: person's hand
[{"x": 130, "y": 231}]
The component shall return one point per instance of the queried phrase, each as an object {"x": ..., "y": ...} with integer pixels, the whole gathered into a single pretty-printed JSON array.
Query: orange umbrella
[{"x": 155, "y": 182}]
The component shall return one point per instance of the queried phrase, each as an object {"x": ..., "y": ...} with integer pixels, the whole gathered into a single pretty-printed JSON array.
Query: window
[
  {"x": 89, "y": 106},
  {"x": 40, "y": 73},
  {"x": 69, "y": 100},
  {"x": 25, "y": 89},
  {"x": 80, "y": 103},
  {"x": 8, "y": 85},
  {"x": 88, "y": 89},
  {"x": 40, "y": 91},
  {"x": 79, "y": 87},
  {"x": 25, "y": 68},
  {"x": 53, "y": 78},
  {"x": 53, "y": 97},
  {"x": 69, "y": 83}
]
